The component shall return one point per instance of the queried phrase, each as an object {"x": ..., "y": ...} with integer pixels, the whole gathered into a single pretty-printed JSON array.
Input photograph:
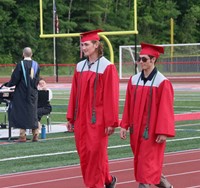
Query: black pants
[{"x": 43, "y": 111}]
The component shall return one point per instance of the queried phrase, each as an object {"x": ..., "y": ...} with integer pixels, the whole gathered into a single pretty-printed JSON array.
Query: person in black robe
[{"x": 23, "y": 106}]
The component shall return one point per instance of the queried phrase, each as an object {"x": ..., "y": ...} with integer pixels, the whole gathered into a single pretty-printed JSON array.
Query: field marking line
[
  {"x": 171, "y": 154},
  {"x": 115, "y": 161},
  {"x": 126, "y": 182},
  {"x": 180, "y": 174},
  {"x": 74, "y": 151},
  {"x": 75, "y": 177},
  {"x": 184, "y": 173},
  {"x": 42, "y": 182}
]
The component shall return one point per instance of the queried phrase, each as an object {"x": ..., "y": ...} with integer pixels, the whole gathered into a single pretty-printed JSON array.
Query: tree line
[{"x": 20, "y": 25}]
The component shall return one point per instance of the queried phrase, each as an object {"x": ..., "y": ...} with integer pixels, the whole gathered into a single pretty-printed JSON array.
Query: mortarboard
[
  {"x": 90, "y": 35},
  {"x": 150, "y": 49}
]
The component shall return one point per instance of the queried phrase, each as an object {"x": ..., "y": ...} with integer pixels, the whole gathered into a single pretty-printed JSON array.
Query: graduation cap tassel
[
  {"x": 94, "y": 99},
  {"x": 146, "y": 133},
  {"x": 93, "y": 117}
]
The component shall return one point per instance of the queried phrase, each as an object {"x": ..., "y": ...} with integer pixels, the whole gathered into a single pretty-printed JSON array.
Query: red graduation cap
[
  {"x": 150, "y": 49},
  {"x": 90, "y": 35}
]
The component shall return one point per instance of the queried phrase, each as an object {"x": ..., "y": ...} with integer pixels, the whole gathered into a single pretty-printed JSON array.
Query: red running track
[{"x": 181, "y": 168}]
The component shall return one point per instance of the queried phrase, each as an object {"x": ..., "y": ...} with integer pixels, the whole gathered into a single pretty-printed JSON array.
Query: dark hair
[{"x": 150, "y": 56}]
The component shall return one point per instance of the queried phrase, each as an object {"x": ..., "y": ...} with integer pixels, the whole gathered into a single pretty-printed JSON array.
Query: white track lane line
[{"x": 111, "y": 162}]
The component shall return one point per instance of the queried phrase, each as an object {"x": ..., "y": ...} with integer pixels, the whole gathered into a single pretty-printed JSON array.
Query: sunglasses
[{"x": 144, "y": 59}]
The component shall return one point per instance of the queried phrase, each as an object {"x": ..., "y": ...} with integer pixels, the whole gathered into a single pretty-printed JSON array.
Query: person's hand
[
  {"x": 123, "y": 133},
  {"x": 70, "y": 127},
  {"x": 42, "y": 88},
  {"x": 109, "y": 130},
  {"x": 4, "y": 87},
  {"x": 161, "y": 138}
]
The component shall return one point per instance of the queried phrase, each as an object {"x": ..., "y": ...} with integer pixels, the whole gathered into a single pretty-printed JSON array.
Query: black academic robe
[{"x": 23, "y": 106}]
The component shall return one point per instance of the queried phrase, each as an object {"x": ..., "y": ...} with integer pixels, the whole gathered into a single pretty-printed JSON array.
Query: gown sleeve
[
  {"x": 15, "y": 77},
  {"x": 165, "y": 119},
  {"x": 72, "y": 100},
  {"x": 125, "y": 123},
  {"x": 111, "y": 96}
]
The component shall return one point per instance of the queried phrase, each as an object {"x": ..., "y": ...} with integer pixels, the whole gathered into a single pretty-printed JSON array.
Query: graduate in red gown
[
  {"x": 93, "y": 110},
  {"x": 149, "y": 116}
]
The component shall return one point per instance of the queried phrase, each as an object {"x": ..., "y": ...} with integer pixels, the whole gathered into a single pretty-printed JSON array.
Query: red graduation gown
[
  {"x": 91, "y": 140},
  {"x": 148, "y": 155}
]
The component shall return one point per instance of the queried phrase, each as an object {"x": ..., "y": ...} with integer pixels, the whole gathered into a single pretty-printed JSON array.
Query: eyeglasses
[{"x": 144, "y": 59}]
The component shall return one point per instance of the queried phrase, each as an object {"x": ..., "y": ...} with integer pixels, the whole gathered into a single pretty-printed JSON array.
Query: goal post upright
[{"x": 102, "y": 34}]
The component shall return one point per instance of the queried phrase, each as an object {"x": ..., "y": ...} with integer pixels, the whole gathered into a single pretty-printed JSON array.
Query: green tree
[
  {"x": 154, "y": 20},
  {"x": 189, "y": 28},
  {"x": 20, "y": 25}
]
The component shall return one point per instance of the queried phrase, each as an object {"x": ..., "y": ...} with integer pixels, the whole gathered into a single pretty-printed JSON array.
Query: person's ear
[{"x": 153, "y": 60}]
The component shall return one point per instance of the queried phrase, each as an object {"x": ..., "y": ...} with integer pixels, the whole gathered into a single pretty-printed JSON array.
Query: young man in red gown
[
  {"x": 93, "y": 111},
  {"x": 149, "y": 115}
]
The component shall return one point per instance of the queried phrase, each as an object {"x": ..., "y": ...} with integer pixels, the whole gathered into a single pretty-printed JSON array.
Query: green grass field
[{"x": 58, "y": 149}]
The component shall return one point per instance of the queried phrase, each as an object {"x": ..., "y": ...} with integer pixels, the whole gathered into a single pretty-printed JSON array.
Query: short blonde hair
[{"x": 27, "y": 52}]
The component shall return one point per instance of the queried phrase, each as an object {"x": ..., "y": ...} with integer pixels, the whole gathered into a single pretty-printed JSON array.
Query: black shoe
[{"x": 113, "y": 183}]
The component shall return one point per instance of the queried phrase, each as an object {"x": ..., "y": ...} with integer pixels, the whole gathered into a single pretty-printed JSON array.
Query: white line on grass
[{"x": 70, "y": 152}]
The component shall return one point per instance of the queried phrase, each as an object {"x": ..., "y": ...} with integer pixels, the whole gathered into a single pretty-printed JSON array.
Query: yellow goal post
[{"x": 102, "y": 34}]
